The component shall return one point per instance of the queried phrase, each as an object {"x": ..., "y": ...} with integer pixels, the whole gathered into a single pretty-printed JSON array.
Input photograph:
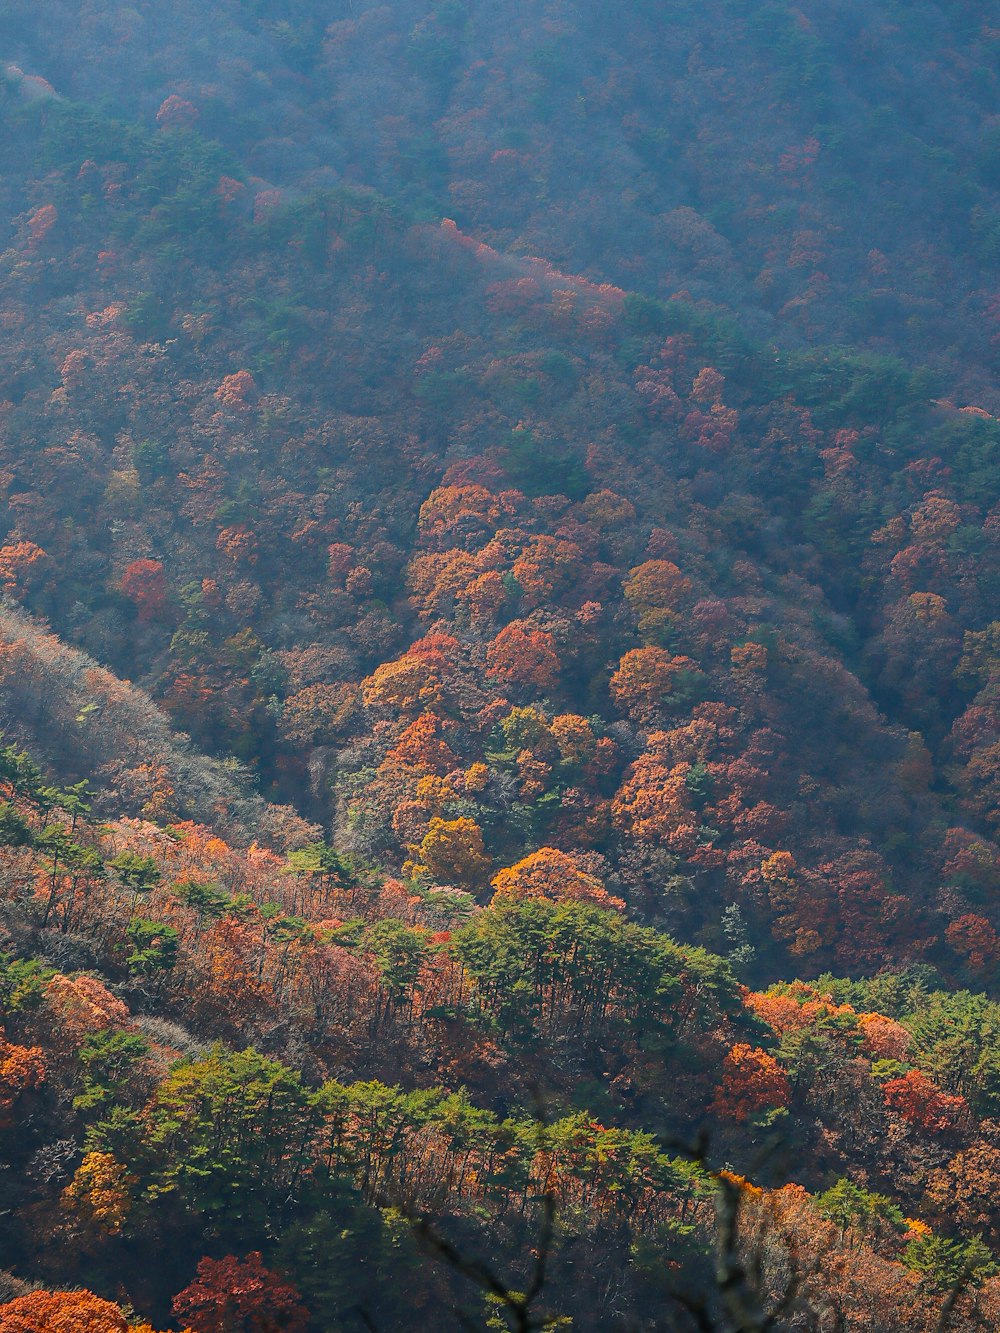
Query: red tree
[
  {"x": 233, "y": 1295},
  {"x": 145, "y": 583},
  {"x": 523, "y": 656},
  {"x": 919, "y": 1100},
  {"x": 752, "y": 1081}
]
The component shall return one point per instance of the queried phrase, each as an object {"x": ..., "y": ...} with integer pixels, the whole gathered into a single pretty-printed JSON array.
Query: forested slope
[{"x": 499, "y": 676}]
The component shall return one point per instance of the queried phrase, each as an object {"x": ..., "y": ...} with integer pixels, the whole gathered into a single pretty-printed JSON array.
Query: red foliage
[
  {"x": 920, "y": 1101},
  {"x": 520, "y": 655},
  {"x": 176, "y": 113},
  {"x": 145, "y": 583},
  {"x": 752, "y": 1081},
  {"x": 233, "y": 1295},
  {"x": 974, "y": 939},
  {"x": 40, "y": 224}
]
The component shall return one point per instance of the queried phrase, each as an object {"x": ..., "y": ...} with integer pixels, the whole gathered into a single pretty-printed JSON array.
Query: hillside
[{"x": 498, "y": 667}]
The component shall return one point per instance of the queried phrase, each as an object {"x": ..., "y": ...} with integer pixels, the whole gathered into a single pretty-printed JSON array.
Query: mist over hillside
[{"x": 499, "y": 677}]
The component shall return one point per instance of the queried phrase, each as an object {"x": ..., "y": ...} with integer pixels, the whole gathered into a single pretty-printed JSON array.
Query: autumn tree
[
  {"x": 232, "y": 1295},
  {"x": 452, "y": 852},
  {"x": 922, "y": 1103},
  {"x": 752, "y": 1082},
  {"x": 144, "y": 582},
  {"x": 549, "y": 873},
  {"x": 61, "y": 1312},
  {"x": 520, "y": 655},
  {"x": 650, "y": 680}
]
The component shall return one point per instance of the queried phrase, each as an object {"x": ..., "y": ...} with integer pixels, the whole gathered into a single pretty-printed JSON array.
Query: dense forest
[{"x": 499, "y": 677}]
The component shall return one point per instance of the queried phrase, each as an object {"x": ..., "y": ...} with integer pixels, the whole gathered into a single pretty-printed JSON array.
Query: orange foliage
[
  {"x": 919, "y": 1100},
  {"x": 237, "y": 391},
  {"x": 408, "y": 685},
  {"x": 549, "y": 873},
  {"x": 476, "y": 777},
  {"x": 657, "y": 585},
  {"x": 21, "y": 1068},
  {"x": 22, "y": 566},
  {"x": 884, "y": 1038},
  {"x": 646, "y": 678},
  {"x": 422, "y": 747},
  {"x": 40, "y": 224},
  {"x": 575, "y": 738},
  {"x": 438, "y": 578},
  {"x": 61, "y": 1312},
  {"x": 238, "y": 544},
  {"x": 546, "y": 568},
  {"x": 463, "y": 514},
  {"x": 145, "y": 583},
  {"x": 523, "y": 656},
  {"x": 654, "y": 803},
  {"x": 484, "y": 597},
  {"x": 83, "y": 1004},
  {"x": 752, "y": 1081},
  {"x": 792, "y": 1011},
  {"x": 452, "y": 852},
  {"x": 749, "y": 658}
]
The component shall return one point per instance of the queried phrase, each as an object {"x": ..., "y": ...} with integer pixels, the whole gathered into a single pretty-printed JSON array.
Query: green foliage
[
  {"x": 110, "y": 1060},
  {"x": 324, "y": 863},
  {"x": 950, "y": 1265},
  {"x": 210, "y": 901},
  {"x": 541, "y": 966},
  {"x": 154, "y": 946},
  {"x": 138, "y": 873},
  {"x": 849, "y": 1206},
  {"x": 14, "y": 828},
  {"x": 228, "y": 1137},
  {"x": 538, "y": 467},
  {"x": 399, "y": 951},
  {"x": 22, "y": 984}
]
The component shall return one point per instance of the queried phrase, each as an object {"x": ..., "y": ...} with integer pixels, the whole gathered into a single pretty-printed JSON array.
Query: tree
[
  {"x": 920, "y": 1101},
  {"x": 110, "y": 1060},
  {"x": 144, "y": 582},
  {"x": 82, "y": 1005},
  {"x": 884, "y": 1038},
  {"x": 100, "y": 1193},
  {"x": 399, "y": 950},
  {"x": 154, "y": 946},
  {"x": 549, "y": 873},
  {"x": 176, "y": 113},
  {"x": 61, "y": 1312},
  {"x": 22, "y": 1068},
  {"x": 233, "y": 1295},
  {"x": 452, "y": 852},
  {"x": 949, "y": 1265},
  {"x": 654, "y": 803},
  {"x": 520, "y": 655},
  {"x": 650, "y": 680},
  {"x": 849, "y": 1206},
  {"x": 655, "y": 591},
  {"x": 972, "y": 937},
  {"x": 752, "y": 1082},
  {"x": 23, "y": 565},
  {"x": 422, "y": 747},
  {"x": 319, "y": 714},
  {"x": 229, "y": 1138}
]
